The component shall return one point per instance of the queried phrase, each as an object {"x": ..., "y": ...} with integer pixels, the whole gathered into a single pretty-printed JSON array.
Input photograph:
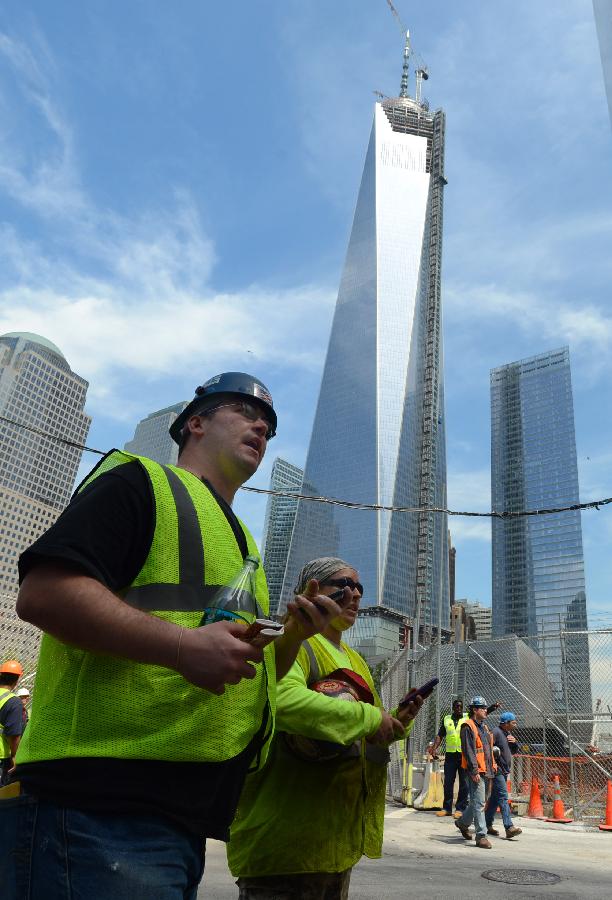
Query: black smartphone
[
  {"x": 424, "y": 691},
  {"x": 338, "y": 595}
]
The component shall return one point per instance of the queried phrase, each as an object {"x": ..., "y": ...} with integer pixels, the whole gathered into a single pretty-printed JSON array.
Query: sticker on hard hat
[{"x": 260, "y": 391}]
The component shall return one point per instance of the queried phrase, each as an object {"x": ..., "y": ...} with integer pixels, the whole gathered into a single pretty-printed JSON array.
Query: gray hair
[{"x": 321, "y": 569}]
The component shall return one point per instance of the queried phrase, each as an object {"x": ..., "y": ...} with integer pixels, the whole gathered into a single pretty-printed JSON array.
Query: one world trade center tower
[{"x": 378, "y": 434}]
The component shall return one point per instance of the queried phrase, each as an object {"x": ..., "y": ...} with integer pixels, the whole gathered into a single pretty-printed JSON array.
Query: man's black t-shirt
[{"x": 106, "y": 533}]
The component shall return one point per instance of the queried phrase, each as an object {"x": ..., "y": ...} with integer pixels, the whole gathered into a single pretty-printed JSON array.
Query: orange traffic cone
[
  {"x": 558, "y": 812},
  {"x": 536, "y": 810},
  {"x": 607, "y": 825}
]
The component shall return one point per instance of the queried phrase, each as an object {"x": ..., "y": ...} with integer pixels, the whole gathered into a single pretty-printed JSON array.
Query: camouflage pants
[{"x": 310, "y": 886}]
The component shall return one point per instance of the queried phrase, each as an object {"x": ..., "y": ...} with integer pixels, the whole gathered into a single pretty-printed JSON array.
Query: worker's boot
[
  {"x": 514, "y": 831},
  {"x": 484, "y": 843},
  {"x": 443, "y": 812},
  {"x": 493, "y": 831},
  {"x": 464, "y": 831}
]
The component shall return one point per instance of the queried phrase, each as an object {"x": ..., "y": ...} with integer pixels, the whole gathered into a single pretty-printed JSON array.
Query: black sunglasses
[{"x": 342, "y": 583}]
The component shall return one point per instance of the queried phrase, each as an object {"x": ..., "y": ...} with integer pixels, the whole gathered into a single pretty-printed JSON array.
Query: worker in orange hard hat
[{"x": 11, "y": 716}]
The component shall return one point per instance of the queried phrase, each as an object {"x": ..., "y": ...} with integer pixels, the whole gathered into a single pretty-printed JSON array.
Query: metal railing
[{"x": 559, "y": 685}]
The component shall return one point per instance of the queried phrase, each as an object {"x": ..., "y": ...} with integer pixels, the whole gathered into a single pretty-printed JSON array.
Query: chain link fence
[{"x": 559, "y": 685}]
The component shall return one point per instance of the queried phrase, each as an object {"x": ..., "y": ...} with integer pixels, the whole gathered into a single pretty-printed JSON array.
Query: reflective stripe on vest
[
  {"x": 480, "y": 754},
  {"x": 94, "y": 705},
  {"x": 453, "y": 733},
  {"x": 5, "y": 747}
]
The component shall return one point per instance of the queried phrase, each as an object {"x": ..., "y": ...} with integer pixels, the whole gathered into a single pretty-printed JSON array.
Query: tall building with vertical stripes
[
  {"x": 538, "y": 562},
  {"x": 379, "y": 432},
  {"x": 38, "y": 391}
]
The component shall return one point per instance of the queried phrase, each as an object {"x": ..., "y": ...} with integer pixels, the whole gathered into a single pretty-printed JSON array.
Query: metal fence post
[{"x": 568, "y": 725}]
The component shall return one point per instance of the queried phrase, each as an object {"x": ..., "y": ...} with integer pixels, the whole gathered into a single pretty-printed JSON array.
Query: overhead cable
[{"x": 349, "y": 504}]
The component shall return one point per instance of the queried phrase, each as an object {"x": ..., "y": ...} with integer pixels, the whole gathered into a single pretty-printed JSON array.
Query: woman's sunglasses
[{"x": 342, "y": 583}]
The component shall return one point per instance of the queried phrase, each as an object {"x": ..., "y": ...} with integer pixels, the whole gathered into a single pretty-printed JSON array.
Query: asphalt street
[{"x": 425, "y": 857}]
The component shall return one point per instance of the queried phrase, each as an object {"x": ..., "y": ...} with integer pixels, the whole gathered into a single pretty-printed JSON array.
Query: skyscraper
[
  {"x": 538, "y": 563},
  {"x": 603, "y": 21},
  {"x": 152, "y": 437},
  {"x": 37, "y": 388},
  {"x": 378, "y": 433},
  {"x": 278, "y": 525}
]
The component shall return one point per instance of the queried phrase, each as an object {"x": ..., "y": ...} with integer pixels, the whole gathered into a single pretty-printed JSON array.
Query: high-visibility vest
[
  {"x": 480, "y": 754},
  {"x": 5, "y": 747},
  {"x": 95, "y": 705},
  {"x": 453, "y": 736}
]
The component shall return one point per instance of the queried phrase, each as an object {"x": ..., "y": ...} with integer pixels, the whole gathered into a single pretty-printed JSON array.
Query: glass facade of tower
[
  {"x": 603, "y": 21},
  {"x": 278, "y": 526},
  {"x": 538, "y": 563},
  {"x": 152, "y": 436},
  {"x": 378, "y": 434}
]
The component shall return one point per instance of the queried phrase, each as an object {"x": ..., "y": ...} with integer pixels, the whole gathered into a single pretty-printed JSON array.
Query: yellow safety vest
[
  {"x": 453, "y": 733},
  {"x": 296, "y": 816},
  {"x": 5, "y": 747},
  {"x": 94, "y": 705}
]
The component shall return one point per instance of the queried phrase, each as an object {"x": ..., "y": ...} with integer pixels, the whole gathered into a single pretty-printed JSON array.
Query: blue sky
[{"x": 177, "y": 183}]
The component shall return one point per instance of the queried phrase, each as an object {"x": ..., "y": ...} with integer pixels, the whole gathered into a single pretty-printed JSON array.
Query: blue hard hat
[
  {"x": 478, "y": 702},
  {"x": 506, "y": 717},
  {"x": 231, "y": 384}
]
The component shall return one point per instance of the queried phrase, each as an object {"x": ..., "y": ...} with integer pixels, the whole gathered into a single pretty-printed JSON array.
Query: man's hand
[
  {"x": 214, "y": 655},
  {"x": 511, "y": 739},
  {"x": 389, "y": 730},
  {"x": 311, "y": 612},
  {"x": 475, "y": 778},
  {"x": 407, "y": 713}
]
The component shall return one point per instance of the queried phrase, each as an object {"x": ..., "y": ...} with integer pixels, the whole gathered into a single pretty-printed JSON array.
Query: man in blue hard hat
[
  {"x": 145, "y": 720},
  {"x": 504, "y": 746}
]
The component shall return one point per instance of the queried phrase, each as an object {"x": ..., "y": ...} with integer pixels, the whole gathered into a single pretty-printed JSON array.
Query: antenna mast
[{"x": 405, "y": 67}]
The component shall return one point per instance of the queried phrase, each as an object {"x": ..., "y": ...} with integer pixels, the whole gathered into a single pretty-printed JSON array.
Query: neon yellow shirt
[{"x": 296, "y": 816}]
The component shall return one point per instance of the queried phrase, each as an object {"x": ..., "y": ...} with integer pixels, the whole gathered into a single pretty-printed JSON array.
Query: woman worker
[{"x": 303, "y": 824}]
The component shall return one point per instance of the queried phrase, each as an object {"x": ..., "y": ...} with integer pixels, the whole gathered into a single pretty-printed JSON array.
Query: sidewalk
[{"x": 425, "y": 858}]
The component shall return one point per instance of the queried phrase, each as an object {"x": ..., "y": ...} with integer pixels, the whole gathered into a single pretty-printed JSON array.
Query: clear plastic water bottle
[{"x": 236, "y": 600}]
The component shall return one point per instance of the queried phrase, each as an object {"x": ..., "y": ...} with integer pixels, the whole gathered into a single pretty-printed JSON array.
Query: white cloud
[
  {"x": 46, "y": 183},
  {"x": 463, "y": 530},
  {"x": 469, "y": 491},
  {"x": 123, "y": 297}
]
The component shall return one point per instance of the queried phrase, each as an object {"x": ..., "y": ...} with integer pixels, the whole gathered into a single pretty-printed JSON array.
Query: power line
[
  {"x": 53, "y": 437},
  {"x": 349, "y": 504}
]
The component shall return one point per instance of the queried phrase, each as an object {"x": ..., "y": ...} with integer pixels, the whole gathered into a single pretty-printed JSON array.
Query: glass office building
[
  {"x": 378, "y": 433},
  {"x": 538, "y": 563},
  {"x": 152, "y": 435},
  {"x": 278, "y": 525},
  {"x": 603, "y": 22},
  {"x": 38, "y": 391}
]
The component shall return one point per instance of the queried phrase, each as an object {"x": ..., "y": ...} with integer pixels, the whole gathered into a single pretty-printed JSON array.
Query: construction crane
[
  {"x": 397, "y": 16},
  {"x": 421, "y": 73}
]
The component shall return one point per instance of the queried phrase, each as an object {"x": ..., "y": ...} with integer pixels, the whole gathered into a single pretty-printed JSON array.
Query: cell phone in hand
[
  {"x": 339, "y": 595},
  {"x": 424, "y": 691},
  {"x": 262, "y": 632}
]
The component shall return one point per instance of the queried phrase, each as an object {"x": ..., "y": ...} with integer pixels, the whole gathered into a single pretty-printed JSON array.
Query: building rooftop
[{"x": 35, "y": 339}]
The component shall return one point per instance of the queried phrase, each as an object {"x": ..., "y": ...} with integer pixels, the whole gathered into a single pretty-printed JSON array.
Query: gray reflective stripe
[
  {"x": 190, "y": 546},
  {"x": 172, "y": 597},
  {"x": 182, "y": 598},
  {"x": 313, "y": 674}
]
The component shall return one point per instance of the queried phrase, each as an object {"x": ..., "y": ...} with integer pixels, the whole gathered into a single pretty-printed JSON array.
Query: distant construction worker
[
  {"x": 450, "y": 729},
  {"x": 24, "y": 696},
  {"x": 11, "y": 716},
  {"x": 479, "y": 763},
  {"x": 504, "y": 746}
]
